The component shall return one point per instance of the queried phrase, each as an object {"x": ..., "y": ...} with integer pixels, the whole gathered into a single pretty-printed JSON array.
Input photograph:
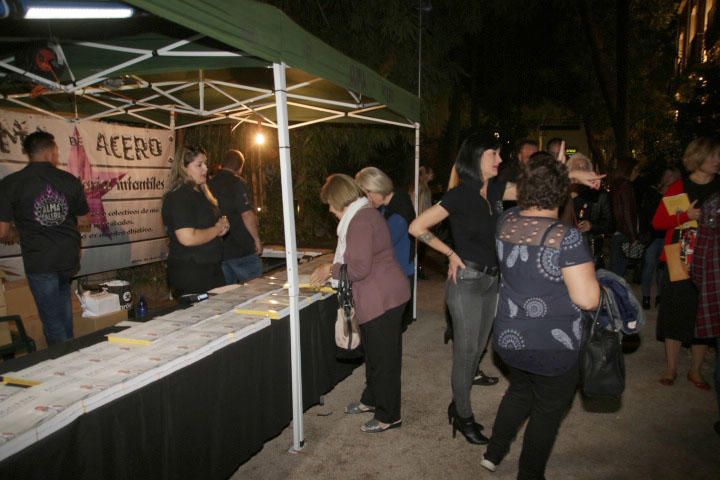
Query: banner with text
[{"x": 124, "y": 171}]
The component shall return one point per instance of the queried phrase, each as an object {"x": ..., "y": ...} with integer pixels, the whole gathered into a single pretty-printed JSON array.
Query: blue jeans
[
  {"x": 242, "y": 269},
  {"x": 650, "y": 264},
  {"x": 472, "y": 303},
  {"x": 52, "y": 297}
]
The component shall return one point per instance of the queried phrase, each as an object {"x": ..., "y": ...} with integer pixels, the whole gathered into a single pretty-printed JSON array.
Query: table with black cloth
[{"x": 200, "y": 422}]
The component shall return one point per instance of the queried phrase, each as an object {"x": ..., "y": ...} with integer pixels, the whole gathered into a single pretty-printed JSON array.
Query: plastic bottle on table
[{"x": 141, "y": 309}]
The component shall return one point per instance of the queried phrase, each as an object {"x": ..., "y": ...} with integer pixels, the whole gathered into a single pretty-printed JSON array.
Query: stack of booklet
[
  {"x": 59, "y": 391},
  {"x": 39, "y": 400},
  {"x": 275, "y": 305}
]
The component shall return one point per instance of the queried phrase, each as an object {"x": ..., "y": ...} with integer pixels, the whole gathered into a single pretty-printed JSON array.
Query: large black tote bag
[{"x": 602, "y": 364}]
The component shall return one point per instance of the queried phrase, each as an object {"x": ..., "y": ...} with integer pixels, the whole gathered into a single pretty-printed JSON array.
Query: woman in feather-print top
[{"x": 547, "y": 277}]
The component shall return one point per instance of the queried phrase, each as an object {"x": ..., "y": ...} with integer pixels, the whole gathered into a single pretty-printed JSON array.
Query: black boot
[
  {"x": 646, "y": 303},
  {"x": 470, "y": 429}
]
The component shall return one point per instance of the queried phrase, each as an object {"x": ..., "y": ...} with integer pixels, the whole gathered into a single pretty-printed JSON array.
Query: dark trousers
[
  {"x": 382, "y": 341},
  {"x": 187, "y": 276},
  {"x": 407, "y": 316},
  {"x": 717, "y": 372},
  {"x": 546, "y": 400}
]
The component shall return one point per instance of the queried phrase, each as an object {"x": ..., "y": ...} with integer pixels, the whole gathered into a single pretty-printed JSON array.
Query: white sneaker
[{"x": 488, "y": 465}]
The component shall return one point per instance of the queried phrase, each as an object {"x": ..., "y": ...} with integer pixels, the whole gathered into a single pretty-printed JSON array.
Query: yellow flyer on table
[{"x": 679, "y": 203}]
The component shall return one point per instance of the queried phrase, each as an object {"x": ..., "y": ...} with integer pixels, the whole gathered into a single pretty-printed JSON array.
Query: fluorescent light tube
[{"x": 63, "y": 13}]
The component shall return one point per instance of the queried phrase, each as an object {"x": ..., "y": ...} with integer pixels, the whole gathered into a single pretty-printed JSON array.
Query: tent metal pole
[
  {"x": 290, "y": 252},
  {"x": 312, "y": 107},
  {"x": 379, "y": 120},
  {"x": 319, "y": 120},
  {"x": 417, "y": 209},
  {"x": 37, "y": 109}
]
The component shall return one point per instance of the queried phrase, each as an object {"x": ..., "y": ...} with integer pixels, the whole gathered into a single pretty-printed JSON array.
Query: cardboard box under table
[
  {"x": 19, "y": 301},
  {"x": 84, "y": 325}
]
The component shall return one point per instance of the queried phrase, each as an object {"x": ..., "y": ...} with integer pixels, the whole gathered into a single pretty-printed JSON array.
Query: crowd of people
[
  {"x": 522, "y": 256},
  {"x": 523, "y": 247}
]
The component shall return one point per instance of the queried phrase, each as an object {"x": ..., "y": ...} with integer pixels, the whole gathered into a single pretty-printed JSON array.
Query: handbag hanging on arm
[
  {"x": 602, "y": 365},
  {"x": 347, "y": 332}
]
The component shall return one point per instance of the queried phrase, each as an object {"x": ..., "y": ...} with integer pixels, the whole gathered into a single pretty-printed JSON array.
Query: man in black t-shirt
[
  {"x": 241, "y": 246},
  {"x": 45, "y": 205}
]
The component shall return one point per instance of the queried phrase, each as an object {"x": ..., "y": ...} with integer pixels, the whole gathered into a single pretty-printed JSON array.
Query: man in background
[
  {"x": 241, "y": 246},
  {"x": 46, "y": 206}
]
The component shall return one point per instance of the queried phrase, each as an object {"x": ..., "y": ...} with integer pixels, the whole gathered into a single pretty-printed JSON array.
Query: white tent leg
[
  {"x": 290, "y": 252},
  {"x": 417, "y": 207}
]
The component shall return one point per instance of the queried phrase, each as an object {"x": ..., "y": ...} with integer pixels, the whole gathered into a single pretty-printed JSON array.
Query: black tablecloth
[{"x": 200, "y": 422}]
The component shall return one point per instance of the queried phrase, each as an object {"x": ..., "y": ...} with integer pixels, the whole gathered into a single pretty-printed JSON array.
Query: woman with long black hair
[{"x": 472, "y": 208}]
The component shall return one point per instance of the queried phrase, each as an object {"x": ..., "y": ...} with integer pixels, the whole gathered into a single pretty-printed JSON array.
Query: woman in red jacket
[{"x": 678, "y": 304}]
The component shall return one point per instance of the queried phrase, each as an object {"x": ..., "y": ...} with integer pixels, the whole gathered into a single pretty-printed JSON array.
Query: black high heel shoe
[{"x": 470, "y": 429}]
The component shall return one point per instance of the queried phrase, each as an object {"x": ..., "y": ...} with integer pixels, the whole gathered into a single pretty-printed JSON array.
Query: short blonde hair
[
  {"x": 374, "y": 180},
  {"x": 698, "y": 151},
  {"x": 339, "y": 191},
  {"x": 579, "y": 162}
]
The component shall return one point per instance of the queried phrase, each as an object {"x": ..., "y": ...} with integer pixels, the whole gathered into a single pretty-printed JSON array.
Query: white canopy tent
[{"x": 147, "y": 79}]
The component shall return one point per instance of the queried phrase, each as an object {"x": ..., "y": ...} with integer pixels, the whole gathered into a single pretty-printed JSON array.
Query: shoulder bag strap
[
  {"x": 604, "y": 305},
  {"x": 345, "y": 290}
]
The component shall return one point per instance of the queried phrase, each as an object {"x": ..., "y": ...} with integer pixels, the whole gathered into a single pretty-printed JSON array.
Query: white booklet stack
[{"x": 41, "y": 399}]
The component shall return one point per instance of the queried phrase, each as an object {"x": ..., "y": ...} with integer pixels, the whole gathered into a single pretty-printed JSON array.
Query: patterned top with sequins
[{"x": 537, "y": 328}]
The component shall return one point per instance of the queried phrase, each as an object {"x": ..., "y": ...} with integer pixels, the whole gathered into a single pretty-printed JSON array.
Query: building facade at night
[{"x": 697, "y": 66}]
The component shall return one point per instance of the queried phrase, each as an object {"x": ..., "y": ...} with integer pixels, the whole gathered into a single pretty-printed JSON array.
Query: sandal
[
  {"x": 358, "y": 407},
  {"x": 374, "y": 426},
  {"x": 701, "y": 384},
  {"x": 668, "y": 382}
]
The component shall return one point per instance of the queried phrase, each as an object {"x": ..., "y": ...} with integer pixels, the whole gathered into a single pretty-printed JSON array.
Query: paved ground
[{"x": 656, "y": 433}]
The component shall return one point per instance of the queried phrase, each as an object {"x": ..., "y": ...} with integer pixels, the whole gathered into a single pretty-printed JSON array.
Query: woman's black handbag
[{"x": 602, "y": 364}]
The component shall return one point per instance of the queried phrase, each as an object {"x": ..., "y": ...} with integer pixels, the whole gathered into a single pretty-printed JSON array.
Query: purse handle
[
  {"x": 603, "y": 304},
  {"x": 344, "y": 290}
]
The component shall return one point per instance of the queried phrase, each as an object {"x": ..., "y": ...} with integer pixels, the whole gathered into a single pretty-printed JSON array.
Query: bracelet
[{"x": 450, "y": 254}]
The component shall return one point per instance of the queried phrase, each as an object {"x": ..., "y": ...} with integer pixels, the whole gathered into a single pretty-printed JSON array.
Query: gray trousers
[{"x": 472, "y": 303}]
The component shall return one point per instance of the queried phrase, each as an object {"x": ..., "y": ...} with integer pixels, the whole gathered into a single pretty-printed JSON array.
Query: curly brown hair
[{"x": 543, "y": 183}]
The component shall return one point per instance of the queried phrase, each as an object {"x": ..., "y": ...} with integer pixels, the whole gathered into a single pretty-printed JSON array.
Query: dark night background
[{"x": 506, "y": 66}]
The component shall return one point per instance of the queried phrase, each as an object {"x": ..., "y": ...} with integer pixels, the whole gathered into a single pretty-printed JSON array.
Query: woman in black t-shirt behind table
[
  {"x": 472, "y": 287},
  {"x": 194, "y": 226}
]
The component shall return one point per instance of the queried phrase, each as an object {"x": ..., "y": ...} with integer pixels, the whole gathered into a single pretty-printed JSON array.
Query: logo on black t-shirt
[{"x": 50, "y": 208}]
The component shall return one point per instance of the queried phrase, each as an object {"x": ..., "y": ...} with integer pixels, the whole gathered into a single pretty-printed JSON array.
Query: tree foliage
[{"x": 506, "y": 66}]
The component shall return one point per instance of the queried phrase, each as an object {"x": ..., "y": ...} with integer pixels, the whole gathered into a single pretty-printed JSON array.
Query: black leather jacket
[{"x": 594, "y": 205}]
